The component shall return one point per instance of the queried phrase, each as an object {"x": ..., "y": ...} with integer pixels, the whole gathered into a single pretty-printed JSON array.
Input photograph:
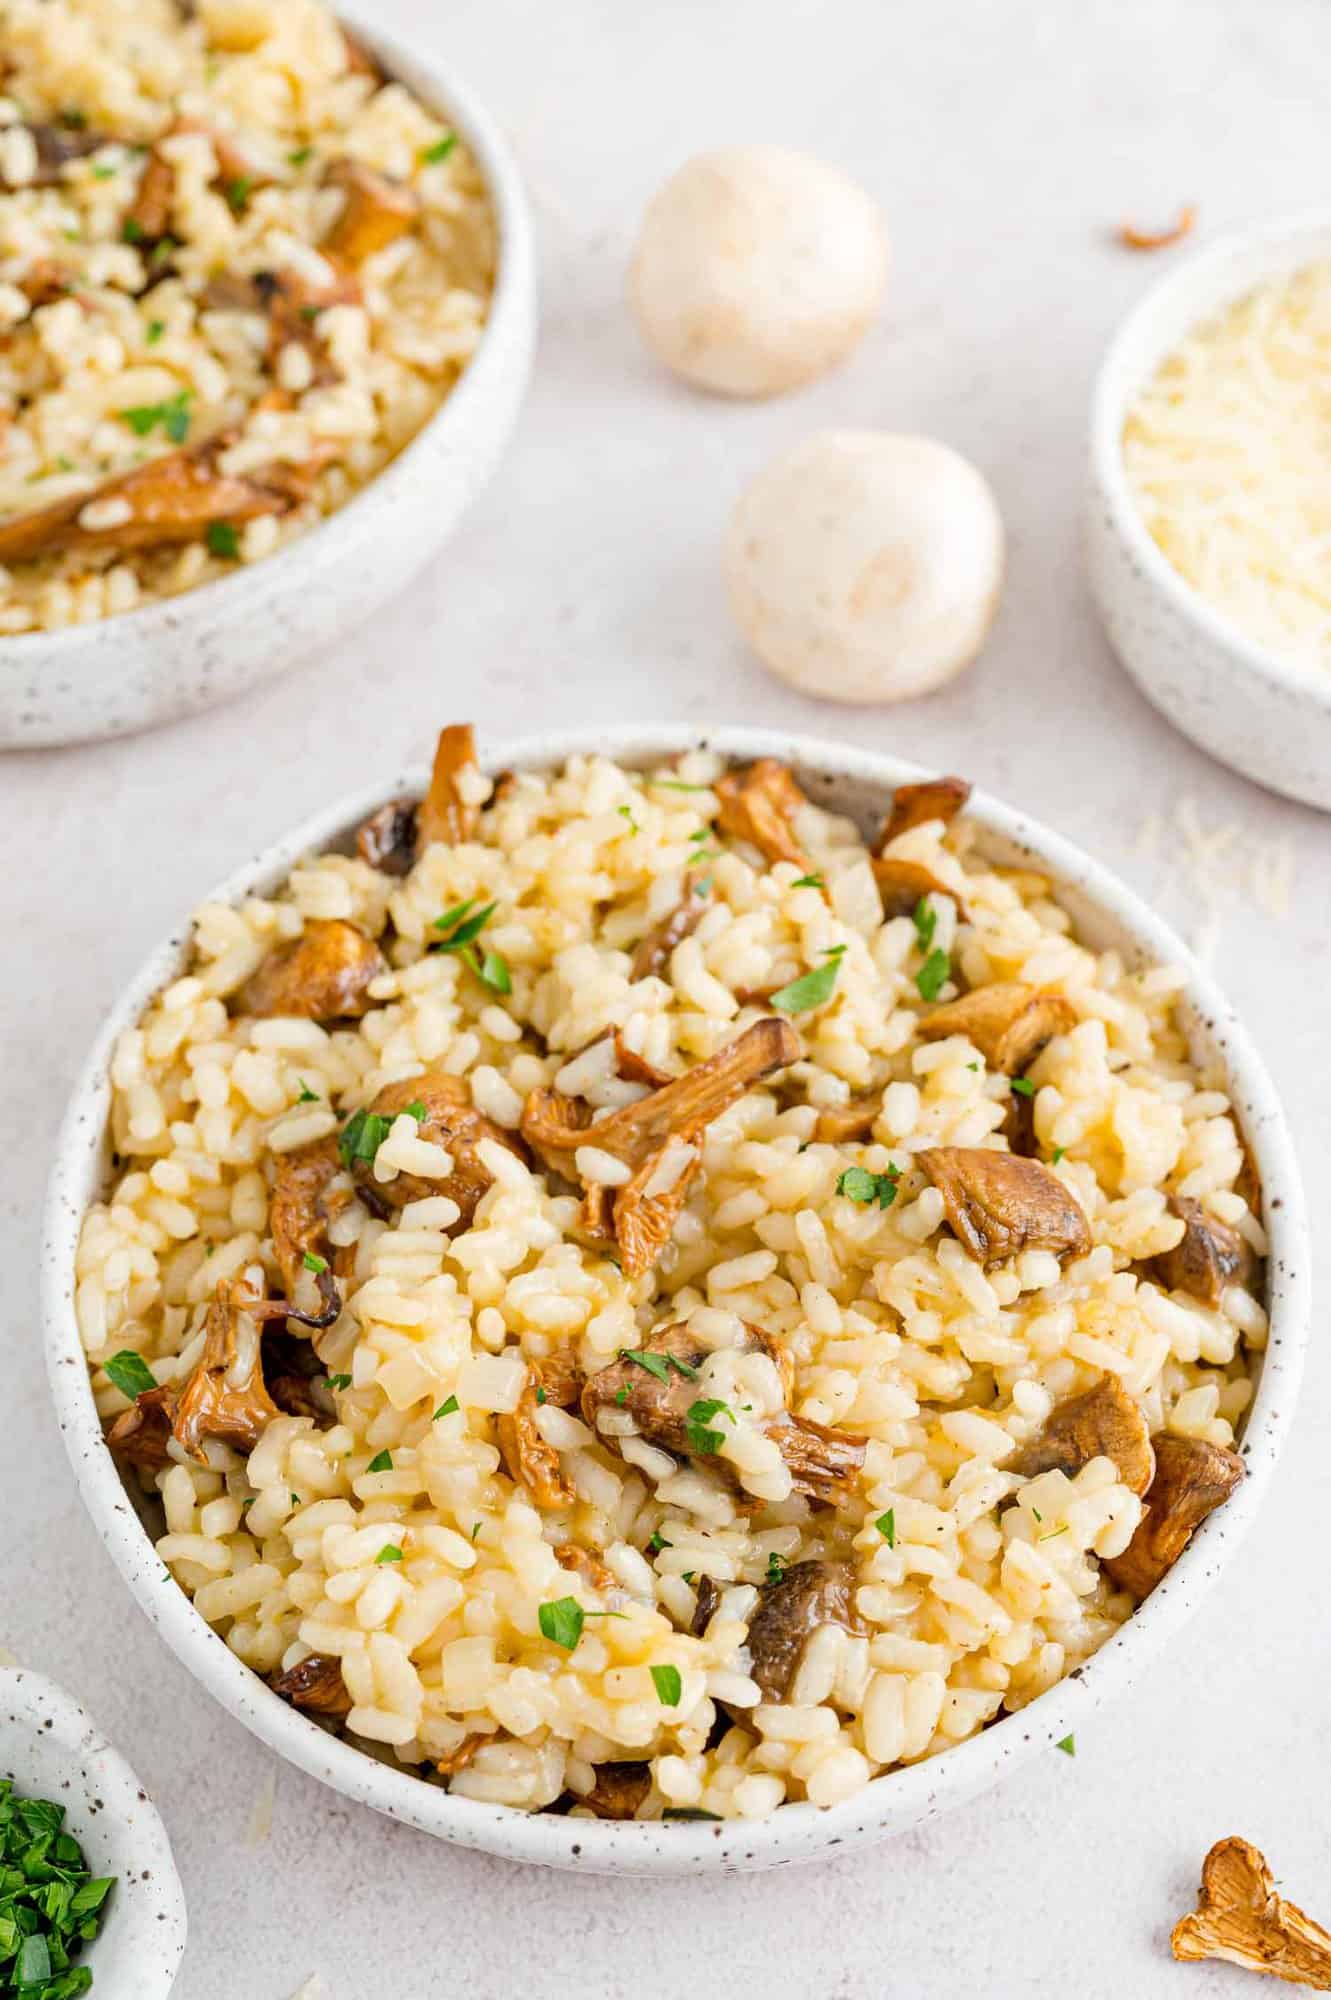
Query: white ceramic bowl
[
  {"x": 52, "y": 1749},
  {"x": 206, "y": 645},
  {"x": 1266, "y": 717},
  {"x": 858, "y": 783}
]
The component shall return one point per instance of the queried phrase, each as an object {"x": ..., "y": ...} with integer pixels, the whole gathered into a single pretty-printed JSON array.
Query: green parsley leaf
[
  {"x": 540, "y": 1395},
  {"x": 659, "y": 1365},
  {"x": 702, "y": 1442},
  {"x": 389, "y": 1553},
  {"x": 460, "y": 927},
  {"x": 689, "y": 1575},
  {"x": 161, "y": 253},
  {"x": 307, "y": 1096},
  {"x": 811, "y": 989},
  {"x": 295, "y": 1499},
  {"x": 808, "y": 882},
  {"x": 65, "y": 464},
  {"x": 492, "y": 971},
  {"x": 223, "y": 540},
  {"x": 776, "y": 1567},
  {"x": 621, "y": 1397},
  {"x": 173, "y": 415},
  {"x": 446, "y": 1409},
  {"x": 299, "y": 156},
  {"x": 476, "y": 1527},
  {"x": 381, "y": 1462},
  {"x": 657, "y": 1541},
  {"x": 1058, "y": 1153},
  {"x": 626, "y": 813},
  {"x": 414, "y": 1110},
  {"x": 156, "y": 328},
  {"x": 76, "y": 120},
  {"x": 313, "y": 1263},
  {"x": 886, "y": 1525},
  {"x": 238, "y": 192},
  {"x": 561, "y": 1622},
  {"x": 362, "y": 1136},
  {"x": 431, "y": 155},
  {"x": 339, "y": 1381},
  {"x": 1023, "y": 1086},
  {"x": 933, "y": 975},
  {"x": 1068, "y": 1745},
  {"x": 676, "y": 785},
  {"x": 131, "y": 230},
  {"x": 669, "y": 1684},
  {"x": 859, "y": 1185},
  {"x": 102, "y": 172},
  {"x": 130, "y": 1373},
  {"x": 926, "y": 923}
]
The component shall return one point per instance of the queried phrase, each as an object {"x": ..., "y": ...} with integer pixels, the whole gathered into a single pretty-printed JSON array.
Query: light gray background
[{"x": 1003, "y": 141}]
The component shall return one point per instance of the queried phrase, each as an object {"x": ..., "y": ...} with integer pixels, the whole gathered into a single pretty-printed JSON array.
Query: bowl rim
[
  {"x": 1117, "y": 380},
  {"x": 444, "y": 92},
  {"x": 798, "y": 1831},
  {"x": 159, "y": 1918}
]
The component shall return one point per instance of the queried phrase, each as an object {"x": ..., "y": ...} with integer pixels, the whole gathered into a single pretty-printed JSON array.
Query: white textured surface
[{"x": 587, "y": 583}]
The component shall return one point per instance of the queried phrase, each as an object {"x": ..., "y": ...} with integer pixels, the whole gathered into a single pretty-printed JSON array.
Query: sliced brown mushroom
[
  {"x": 654, "y": 950},
  {"x": 594, "y": 1573},
  {"x": 704, "y": 1610},
  {"x": 913, "y": 805},
  {"x": 394, "y": 837},
  {"x": 173, "y": 498},
  {"x": 1007, "y": 1022},
  {"x": 314, "y": 1684},
  {"x": 310, "y": 1190},
  {"x": 148, "y": 218},
  {"x": 142, "y": 1433},
  {"x": 1242, "y": 1920},
  {"x": 293, "y": 304},
  {"x": 324, "y": 975},
  {"x": 758, "y": 805},
  {"x": 849, "y": 1121},
  {"x": 56, "y": 145},
  {"x": 452, "y": 1121},
  {"x": 1209, "y": 1256},
  {"x": 457, "y": 1760},
  {"x": 377, "y": 210},
  {"x": 1192, "y": 1478},
  {"x": 903, "y": 884},
  {"x": 639, "y": 1215},
  {"x": 1103, "y": 1422},
  {"x": 618, "y": 1792},
  {"x": 45, "y": 282},
  {"x": 529, "y": 1459},
  {"x": 1248, "y": 1186},
  {"x": 225, "y": 1396},
  {"x": 799, "y": 1603},
  {"x": 823, "y": 1463},
  {"x": 294, "y": 1375},
  {"x": 359, "y": 61},
  {"x": 998, "y": 1204}
]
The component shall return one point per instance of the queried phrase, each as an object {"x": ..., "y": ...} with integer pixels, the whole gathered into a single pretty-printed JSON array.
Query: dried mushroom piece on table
[
  {"x": 444, "y": 1115},
  {"x": 790, "y": 1610},
  {"x": 650, "y": 1145},
  {"x": 1009, "y": 1023},
  {"x": 999, "y": 1203},
  {"x": 1192, "y": 1478},
  {"x": 1242, "y": 1920},
  {"x": 758, "y": 805},
  {"x": 1208, "y": 1256},
  {"x": 1103, "y": 1422},
  {"x": 323, "y": 975},
  {"x": 394, "y": 838}
]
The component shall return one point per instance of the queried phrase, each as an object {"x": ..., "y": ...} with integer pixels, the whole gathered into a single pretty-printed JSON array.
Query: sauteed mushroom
[
  {"x": 314, "y": 1684},
  {"x": 1192, "y": 1478},
  {"x": 55, "y": 145},
  {"x": 759, "y": 804},
  {"x": 618, "y": 1792},
  {"x": 806, "y": 1597},
  {"x": 394, "y": 838},
  {"x": 1210, "y": 1255},
  {"x": 654, "y": 951},
  {"x": 1240, "y": 1918},
  {"x": 1008, "y": 1023},
  {"x": 998, "y": 1204},
  {"x": 306, "y": 1198},
  {"x": 1103, "y": 1422},
  {"x": 528, "y": 1459},
  {"x": 452, "y": 1121},
  {"x": 903, "y": 884},
  {"x": 913, "y": 805},
  {"x": 325, "y": 975}
]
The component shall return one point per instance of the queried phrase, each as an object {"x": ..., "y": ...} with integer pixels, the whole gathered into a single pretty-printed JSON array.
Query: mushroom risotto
[
  {"x": 239, "y": 269},
  {"x": 633, "y": 1299}
]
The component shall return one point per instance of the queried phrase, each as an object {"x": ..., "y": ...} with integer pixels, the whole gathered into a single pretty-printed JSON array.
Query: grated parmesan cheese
[
  {"x": 1228, "y": 453},
  {"x": 261, "y": 1818},
  {"x": 1209, "y": 867}
]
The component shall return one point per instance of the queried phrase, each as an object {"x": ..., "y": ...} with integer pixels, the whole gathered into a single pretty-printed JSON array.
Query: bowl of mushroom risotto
[
  {"x": 266, "y": 314},
  {"x": 669, "y": 1302}
]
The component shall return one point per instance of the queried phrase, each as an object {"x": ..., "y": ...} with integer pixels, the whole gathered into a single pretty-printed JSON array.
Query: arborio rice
[
  {"x": 654, "y": 1447},
  {"x": 239, "y": 270}
]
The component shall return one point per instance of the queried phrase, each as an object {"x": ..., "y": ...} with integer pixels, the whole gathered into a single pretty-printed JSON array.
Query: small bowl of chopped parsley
[{"x": 90, "y": 1901}]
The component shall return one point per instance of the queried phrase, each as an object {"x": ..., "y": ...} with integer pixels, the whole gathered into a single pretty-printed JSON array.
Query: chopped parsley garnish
[
  {"x": 131, "y": 230},
  {"x": 657, "y": 1541},
  {"x": 446, "y": 1409},
  {"x": 1058, "y": 1154},
  {"x": 1023, "y": 1086},
  {"x": 702, "y": 1441},
  {"x": 75, "y": 119},
  {"x": 540, "y": 1395},
  {"x": 362, "y": 1136},
  {"x": 307, "y": 1096},
  {"x": 65, "y": 464},
  {"x": 859, "y": 1185},
  {"x": 339, "y": 1381},
  {"x": 313, "y": 1263},
  {"x": 173, "y": 415},
  {"x": 659, "y": 1365},
  {"x": 238, "y": 192},
  {"x": 676, "y": 785},
  {"x": 162, "y": 252},
  {"x": 811, "y": 989},
  {"x": 933, "y": 975},
  {"x": 440, "y": 150},
  {"x": 808, "y": 882},
  {"x": 1068, "y": 1745},
  {"x": 389, "y": 1553},
  {"x": 415, "y": 1110},
  {"x": 130, "y": 1373},
  {"x": 50, "y": 1906},
  {"x": 689, "y": 1575},
  {"x": 381, "y": 1462},
  {"x": 621, "y": 1397},
  {"x": 491, "y": 968},
  {"x": 626, "y": 813},
  {"x": 102, "y": 172},
  {"x": 669, "y": 1685},
  {"x": 223, "y": 540},
  {"x": 776, "y": 1567},
  {"x": 886, "y": 1525},
  {"x": 294, "y": 1499},
  {"x": 561, "y": 1622},
  {"x": 925, "y": 918},
  {"x": 299, "y": 156},
  {"x": 156, "y": 328},
  {"x": 462, "y": 925}
]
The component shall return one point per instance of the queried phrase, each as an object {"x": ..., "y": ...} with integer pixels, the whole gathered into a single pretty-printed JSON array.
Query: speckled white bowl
[
  {"x": 206, "y": 645},
  {"x": 1266, "y": 717},
  {"x": 52, "y": 1749},
  {"x": 858, "y": 783}
]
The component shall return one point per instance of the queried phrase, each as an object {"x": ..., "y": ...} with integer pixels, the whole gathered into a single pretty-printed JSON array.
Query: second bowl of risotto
[
  {"x": 670, "y": 1303},
  {"x": 266, "y": 316}
]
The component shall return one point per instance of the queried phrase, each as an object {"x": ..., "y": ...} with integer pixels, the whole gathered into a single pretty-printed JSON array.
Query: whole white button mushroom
[
  {"x": 864, "y": 566},
  {"x": 757, "y": 269}
]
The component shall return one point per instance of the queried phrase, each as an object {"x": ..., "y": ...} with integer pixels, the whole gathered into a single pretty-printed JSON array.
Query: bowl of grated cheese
[{"x": 1208, "y": 525}]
